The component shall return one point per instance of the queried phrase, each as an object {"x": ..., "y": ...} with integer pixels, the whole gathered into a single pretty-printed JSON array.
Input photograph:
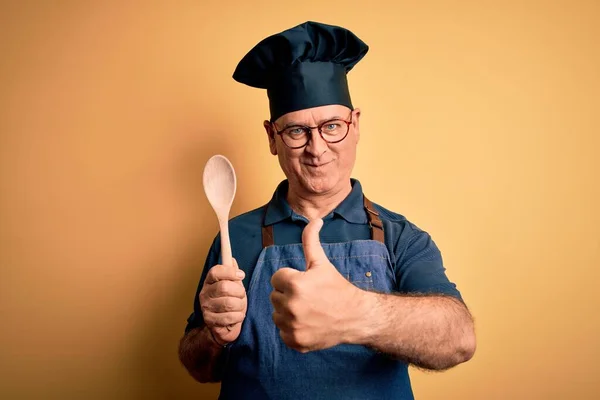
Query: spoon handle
[{"x": 226, "y": 256}]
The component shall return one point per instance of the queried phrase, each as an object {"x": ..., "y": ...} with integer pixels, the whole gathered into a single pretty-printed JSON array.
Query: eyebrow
[{"x": 294, "y": 123}]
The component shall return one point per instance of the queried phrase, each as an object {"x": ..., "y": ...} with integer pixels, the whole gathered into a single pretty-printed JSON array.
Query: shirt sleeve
[
  {"x": 420, "y": 268},
  {"x": 195, "y": 319}
]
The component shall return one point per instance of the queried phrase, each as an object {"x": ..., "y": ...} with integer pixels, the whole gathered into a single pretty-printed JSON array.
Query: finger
[
  {"x": 223, "y": 319},
  {"x": 238, "y": 272},
  {"x": 279, "y": 301},
  {"x": 290, "y": 341},
  {"x": 285, "y": 337},
  {"x": 282, "y": 279},
  {"x": 224, "y": 273},
  {"x": 280, "y": 321},
  {"x": 226, "y": 289},
  {"x": 225, "y": 304},
  {"x": 223, "y": 335},
  {"x": 313, "y": 251}
]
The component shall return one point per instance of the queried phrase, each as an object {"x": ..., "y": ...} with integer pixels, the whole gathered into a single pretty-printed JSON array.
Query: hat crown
[
  {"x": 308, "y": 42},
  {"x": 303, "y": 67}
]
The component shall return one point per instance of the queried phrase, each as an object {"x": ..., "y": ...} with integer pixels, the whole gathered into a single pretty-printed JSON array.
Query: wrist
[{"x": 362, "y": 322}]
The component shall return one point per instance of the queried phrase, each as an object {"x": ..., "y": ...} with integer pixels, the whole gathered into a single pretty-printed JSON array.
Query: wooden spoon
[{"x": 219, "y": 186}]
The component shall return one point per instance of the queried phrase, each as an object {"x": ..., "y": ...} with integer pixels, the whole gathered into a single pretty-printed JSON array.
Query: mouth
[{"x": 317, "y": 165}]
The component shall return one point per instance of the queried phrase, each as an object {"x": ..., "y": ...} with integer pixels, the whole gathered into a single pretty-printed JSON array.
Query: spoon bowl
[{"x": 220, "y": 183}]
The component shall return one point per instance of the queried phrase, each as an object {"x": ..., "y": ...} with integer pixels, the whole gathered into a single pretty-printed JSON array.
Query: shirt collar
[{"x": 351, "y": 208}]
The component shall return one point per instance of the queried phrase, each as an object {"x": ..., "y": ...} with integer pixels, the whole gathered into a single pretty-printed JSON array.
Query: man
[{"x": 332, "y": 296}]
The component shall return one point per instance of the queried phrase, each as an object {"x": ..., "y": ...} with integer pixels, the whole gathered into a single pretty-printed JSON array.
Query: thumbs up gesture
[{"x": 317, "y": 308}]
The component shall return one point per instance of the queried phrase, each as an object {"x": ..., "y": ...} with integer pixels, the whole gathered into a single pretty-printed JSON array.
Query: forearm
[
  {"x": 201, "y": 355},
  {"x": 432, "y": 332}
]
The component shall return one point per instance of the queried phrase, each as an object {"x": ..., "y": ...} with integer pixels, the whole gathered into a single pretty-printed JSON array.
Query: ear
[
  {"x": 271, "y": 136},
  {"x": 355, "y": 122}
]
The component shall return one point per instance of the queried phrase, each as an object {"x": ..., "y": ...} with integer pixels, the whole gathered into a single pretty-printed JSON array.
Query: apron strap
[
  {"x": 374, "y": 221},
  {"x": 377, "y": 233},
  {"x": 267, "y": 236}
]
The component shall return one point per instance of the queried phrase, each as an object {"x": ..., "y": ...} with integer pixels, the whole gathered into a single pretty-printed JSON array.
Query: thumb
[
  {"x": 313, "y": 251},
  {"x": 238, "y": 271}
]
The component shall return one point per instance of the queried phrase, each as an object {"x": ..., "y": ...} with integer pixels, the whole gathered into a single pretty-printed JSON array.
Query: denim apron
[{"x": 258, "y": 365}]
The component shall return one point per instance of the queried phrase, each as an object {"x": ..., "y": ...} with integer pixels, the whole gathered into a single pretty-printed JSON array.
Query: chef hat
[{"x": 303, "y": 67}]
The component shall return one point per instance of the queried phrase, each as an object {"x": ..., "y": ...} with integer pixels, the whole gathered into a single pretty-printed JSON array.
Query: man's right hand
[{"x": 224, "y": 303}]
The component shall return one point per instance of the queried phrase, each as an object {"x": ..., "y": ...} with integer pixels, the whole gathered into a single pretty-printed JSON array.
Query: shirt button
[{"x": 368, "y": 274}]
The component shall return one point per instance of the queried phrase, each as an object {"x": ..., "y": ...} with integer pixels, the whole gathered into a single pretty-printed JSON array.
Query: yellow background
[{"x": 479, "y": 123}]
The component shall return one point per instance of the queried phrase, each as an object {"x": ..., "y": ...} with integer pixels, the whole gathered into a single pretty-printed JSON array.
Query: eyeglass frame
[{"x": 311, "y": 128}]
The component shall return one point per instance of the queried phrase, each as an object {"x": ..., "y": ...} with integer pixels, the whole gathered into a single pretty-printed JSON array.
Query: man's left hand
[{"x": 317, "y": 308}]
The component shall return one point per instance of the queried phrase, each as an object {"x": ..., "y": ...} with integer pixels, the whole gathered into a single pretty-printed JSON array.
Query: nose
[{"x": 316, "y": 145}]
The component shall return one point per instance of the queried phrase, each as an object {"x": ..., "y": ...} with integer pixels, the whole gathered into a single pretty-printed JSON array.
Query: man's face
[{"x": 319, "y": 167}]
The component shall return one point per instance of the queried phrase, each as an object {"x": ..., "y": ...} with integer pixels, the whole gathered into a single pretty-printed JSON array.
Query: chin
[{"x": 318, "y": 185}]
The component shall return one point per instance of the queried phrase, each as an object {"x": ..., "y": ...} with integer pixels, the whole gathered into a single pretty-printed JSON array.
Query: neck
[{"x": 319, "y": 205}]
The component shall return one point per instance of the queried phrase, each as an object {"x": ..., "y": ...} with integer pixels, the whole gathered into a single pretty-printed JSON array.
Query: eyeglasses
[{"x": 298, "y": 136}]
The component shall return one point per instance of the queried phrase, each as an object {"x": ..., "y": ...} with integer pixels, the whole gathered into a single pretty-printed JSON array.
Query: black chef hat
[{"x": 303, "y": 67}]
